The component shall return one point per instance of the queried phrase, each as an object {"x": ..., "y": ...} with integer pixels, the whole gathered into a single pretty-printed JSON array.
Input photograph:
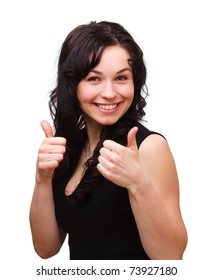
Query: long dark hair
[{"x": 80, "y": 53}]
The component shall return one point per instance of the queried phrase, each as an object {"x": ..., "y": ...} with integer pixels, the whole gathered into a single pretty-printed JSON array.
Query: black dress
[{"x": 101, "y": 227}]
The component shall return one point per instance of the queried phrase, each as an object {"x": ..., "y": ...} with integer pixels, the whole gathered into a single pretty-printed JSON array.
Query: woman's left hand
[{"x": 119, "y": 164}]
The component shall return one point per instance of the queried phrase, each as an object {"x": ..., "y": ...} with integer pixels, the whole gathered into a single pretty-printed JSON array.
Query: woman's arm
[
  {"x": 155, "y": 205},
  {"x": 149, "y": 174},
  {"x": 47, "y": 235}
]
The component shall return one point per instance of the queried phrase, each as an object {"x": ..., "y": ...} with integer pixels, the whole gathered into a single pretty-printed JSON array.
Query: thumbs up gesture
[
  {"x": 51, "y": 152},
  {"x": 119, "y": 164}
]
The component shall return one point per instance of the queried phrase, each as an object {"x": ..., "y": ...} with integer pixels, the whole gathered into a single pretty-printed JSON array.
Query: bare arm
[
  {"x": 46, "y": 234},
  {"x": 156, "y": 205},
  {"x": 150, "y": 176}
]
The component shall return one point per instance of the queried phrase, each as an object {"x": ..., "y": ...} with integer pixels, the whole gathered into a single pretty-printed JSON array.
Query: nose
[{"x": 108, "y": 91}]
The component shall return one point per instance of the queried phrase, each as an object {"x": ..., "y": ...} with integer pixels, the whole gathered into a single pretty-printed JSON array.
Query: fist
[
  {"x": 51, "y": 152},
  {"x": 121, "y": 165}
]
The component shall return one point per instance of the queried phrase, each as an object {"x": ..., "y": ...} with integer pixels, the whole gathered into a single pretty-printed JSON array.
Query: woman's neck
[{"x": 93, "y": 138}]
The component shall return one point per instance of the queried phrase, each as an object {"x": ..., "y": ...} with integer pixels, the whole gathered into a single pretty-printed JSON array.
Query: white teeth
[{"x": 107, "y": 107}]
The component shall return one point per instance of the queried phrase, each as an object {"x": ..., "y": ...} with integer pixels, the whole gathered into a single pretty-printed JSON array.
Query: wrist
[
  {"x": 140, "y": 189},
  {"x": 42, "y": 179}
]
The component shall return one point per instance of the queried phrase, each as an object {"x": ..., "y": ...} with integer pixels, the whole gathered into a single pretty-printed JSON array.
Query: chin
[{"x": 108, "y": 122}]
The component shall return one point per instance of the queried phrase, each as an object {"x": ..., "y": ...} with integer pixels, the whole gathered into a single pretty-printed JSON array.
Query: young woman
[{"x": 102, "y": 177}]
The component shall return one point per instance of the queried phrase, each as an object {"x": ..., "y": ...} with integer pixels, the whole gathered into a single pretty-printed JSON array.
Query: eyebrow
[{"x": 119, "y": 72}]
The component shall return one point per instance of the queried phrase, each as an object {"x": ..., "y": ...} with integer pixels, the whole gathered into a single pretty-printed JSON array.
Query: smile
[{"x": 107, "y": 106}]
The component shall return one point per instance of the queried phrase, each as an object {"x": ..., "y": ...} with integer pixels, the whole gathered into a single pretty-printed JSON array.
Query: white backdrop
[{"x": 176, "y": 37}]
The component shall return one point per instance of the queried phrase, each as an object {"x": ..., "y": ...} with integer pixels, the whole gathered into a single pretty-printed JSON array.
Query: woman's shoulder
[
  {"x": 154, "y": 148},
  {"x": 144, "y": 132}
]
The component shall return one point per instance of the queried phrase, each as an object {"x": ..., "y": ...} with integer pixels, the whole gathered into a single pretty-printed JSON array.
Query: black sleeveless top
[{"x": 101, "y": 227}]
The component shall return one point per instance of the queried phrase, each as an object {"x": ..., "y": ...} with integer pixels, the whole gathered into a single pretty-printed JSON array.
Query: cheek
[
  {"x": 86, "y": 93},
  {"x": 83, "y": 94},
  {"x": 129, "y": 93}
]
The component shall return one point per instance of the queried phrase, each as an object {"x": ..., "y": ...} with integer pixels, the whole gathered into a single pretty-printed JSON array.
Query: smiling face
[{"x": 106, "y": 93}]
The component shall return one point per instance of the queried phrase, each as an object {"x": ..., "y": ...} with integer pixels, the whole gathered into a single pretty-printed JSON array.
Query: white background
[{"x": 176, "y": 37}]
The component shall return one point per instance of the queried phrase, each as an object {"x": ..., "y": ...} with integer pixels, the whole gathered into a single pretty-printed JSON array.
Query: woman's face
[{"x": 106, "y": 93}]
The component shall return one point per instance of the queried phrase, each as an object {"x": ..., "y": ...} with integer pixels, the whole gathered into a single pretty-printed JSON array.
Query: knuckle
[
  {"x": 60, "y": 157},
  {"x": 40, "y": 157},
  {"x": 41, "y": 166},
  {"x": 106, "y": 143},
  {"x": 60, "y": 140},
  {"x": 55, "y": 164},
  {"x": 119, "y": 150},
  {"x": 109, "y": 174},
  {"x": 101, "y": 150},
  {"x": 99, "y": 158},
  {"x": 41, "y": 149},
  {"x": 113, "y": 168},
  {"x": 47, "y": 140}
]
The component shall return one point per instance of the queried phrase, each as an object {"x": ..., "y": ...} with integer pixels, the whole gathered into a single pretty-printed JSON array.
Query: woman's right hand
[{"x": 50, "y": 154}]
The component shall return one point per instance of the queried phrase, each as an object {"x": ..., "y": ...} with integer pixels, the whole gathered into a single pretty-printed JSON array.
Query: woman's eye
[
  {"x": 121, "y": 78},
  {"x": 93, "y": 79}
]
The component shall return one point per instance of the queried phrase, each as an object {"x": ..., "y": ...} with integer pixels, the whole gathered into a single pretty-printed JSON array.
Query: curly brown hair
[{"x": 80, "y": 53}]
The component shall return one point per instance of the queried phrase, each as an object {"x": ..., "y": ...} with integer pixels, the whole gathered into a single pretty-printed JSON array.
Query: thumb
[
  {"x": 47, "y": 128},
  {"x": 131, "y": 139}
]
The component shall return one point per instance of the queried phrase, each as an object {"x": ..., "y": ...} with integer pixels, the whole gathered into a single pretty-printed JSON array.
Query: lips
[{"x": 107, "y": 106}]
